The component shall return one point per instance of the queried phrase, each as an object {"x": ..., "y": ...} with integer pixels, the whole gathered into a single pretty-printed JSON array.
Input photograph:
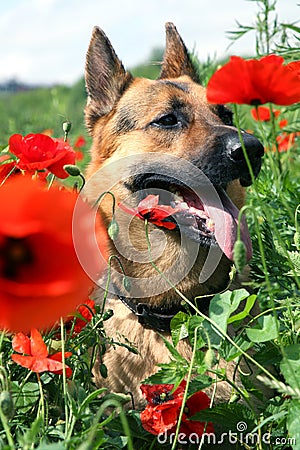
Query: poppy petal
[
  {"x": 21, "y": 344},
  {"x": 38, "y": 346}
]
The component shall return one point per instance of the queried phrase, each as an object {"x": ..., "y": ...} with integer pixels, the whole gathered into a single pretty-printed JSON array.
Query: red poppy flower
[
  {"x": 254, "y": 82},
  {"x": 163, "y": 409},
  {"x": 36, "y": 356},
  {"x": 80, "y": 142},
  {"x": 263, "y": 114},
  {"x": 85, "y": 313},
  {"x": 194, "y": 404},
  {"x": 294, "y": 66},
  {"x": 41, "y": 278},
  {"x": 5, "y": 167},
  {"x": 79, "y": 156},
  {"x": 285, "y": 141},
  {"x": 149, "y": 209},
  {"x": 283, "y": 123},
  {"x": 39, "y": 151}
]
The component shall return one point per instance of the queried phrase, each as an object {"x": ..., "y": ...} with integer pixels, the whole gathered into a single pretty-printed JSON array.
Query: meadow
[{"x": 55, "y": 411}]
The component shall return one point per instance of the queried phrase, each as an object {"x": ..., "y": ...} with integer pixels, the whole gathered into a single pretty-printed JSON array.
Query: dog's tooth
[
  {"x": 178, "y": 194},
  {"x": 184, "y": 205},
  {"x": 210, "y": 225}
]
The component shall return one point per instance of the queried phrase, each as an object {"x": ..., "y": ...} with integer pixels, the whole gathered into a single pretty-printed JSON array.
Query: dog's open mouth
[{"x": 205, "y": 215}]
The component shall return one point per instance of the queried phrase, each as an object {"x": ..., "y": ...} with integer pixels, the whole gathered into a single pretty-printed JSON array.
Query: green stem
[
  {"x": 109, "y": 278},
  {"x": 274, "y": 136},
  {"x": 42, "y": 401},
  {"x": 65, "y": 394},
  {"x": 52, "y": 178},
  {"x": 189, "y": 375},
  {"x": 237, "y": 122},
  {"x": 107, "y": 404},
  {"x": 7, "y": 430},
  {"x": 102, "y": 195},
  {"x": 222, "y": 333},
  {"x": 8, "y": 175}
]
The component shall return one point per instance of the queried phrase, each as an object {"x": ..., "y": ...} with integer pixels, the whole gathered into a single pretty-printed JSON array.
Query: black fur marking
[
  {"x": 125, "y": 121},
  {"x": 184, "y": 87}
]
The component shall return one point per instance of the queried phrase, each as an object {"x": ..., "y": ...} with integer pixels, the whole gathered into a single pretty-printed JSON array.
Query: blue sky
[{"x": 45, "y": 41}]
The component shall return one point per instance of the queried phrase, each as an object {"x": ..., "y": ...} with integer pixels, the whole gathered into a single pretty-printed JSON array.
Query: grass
[{"x": 52, "y": 412}]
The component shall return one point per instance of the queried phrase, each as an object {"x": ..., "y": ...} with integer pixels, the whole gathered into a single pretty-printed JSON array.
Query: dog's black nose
[
  {"x": 234, "y": 148},
  {"x": 234, "y": 151}
]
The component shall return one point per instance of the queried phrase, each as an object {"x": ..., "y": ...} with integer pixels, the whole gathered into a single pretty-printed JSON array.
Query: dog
[{"x": 154, "y": 137}]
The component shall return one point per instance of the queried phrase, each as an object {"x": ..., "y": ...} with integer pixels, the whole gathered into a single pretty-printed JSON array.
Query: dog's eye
[{"x": 167, "y": 121}]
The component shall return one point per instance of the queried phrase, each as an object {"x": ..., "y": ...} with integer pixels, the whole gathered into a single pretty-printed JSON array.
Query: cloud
[{"x": 46, "y": 40}]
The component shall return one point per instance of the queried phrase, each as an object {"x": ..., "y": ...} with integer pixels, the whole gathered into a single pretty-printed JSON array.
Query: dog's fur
[{"x": 123, "y": 115}]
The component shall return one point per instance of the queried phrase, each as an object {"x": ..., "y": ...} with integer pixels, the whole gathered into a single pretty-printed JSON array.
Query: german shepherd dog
[{"x": 154, "y": 137}]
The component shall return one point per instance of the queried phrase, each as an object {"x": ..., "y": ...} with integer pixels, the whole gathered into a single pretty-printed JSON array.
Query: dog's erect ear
[
  {"x": 105, "y": 77},
  {"x": 177, "y": 60}
]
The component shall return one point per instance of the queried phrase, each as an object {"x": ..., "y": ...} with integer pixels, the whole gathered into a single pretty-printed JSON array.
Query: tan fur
[{"x": 112, "y": 94}]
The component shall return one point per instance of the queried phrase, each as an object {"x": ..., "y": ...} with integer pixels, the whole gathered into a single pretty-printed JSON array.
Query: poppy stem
[
  {"x": 42, "y": 401},
  {"x": 52, "y": 178},
  {"x": 192, "y": 305},
  {"x": 273, "y": 131},
  {"x": 109, "y": 277},
  {"x": 266, "y": 143},
  {"x": 102, "y": 195},
  {"x": 63, "y": 360},
  {"x": 7, "y": 430},
  {"x": 8, "y": 175},
  {"x": 237, "y": 122},
  {"x": 185, "y": 395}
]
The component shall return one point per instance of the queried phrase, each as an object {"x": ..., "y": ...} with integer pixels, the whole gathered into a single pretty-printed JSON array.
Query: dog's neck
[{"x": 158, "y": 319}]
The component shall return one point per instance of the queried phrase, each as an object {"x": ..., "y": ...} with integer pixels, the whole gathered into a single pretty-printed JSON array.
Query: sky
[{"x": 45, "y": 41}]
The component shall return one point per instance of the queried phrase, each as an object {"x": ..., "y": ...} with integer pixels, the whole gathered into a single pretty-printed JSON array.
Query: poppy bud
[
  {"x": 72, "y": 170},
  {"x": 209, "y": 358},
  {"x": 239, "y": 255},
  {"x": 297, "y": 240},
  {"x": 66, "y": 126},
  {"x": 6, "y": 403},
  {"x": 113, "y": 229},
  {"x": 103, "y": 370},
  {"x": 107, "y": 315},
  {"x": 127, "y": 284}
]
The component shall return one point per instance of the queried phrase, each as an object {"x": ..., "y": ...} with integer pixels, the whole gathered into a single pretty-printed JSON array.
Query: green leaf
[
  {"x": 90, "y": 398},
  {"x": 229, "y": 415},
  {"x": 291, "y": 27},
  {"x": 179, "y": 327},
  {"x": 171, "y": 373},
  {"x": 54, "y": 446},
  {"x": 290, "y": 365},
  {"x": 266, "y": 331},
  {"x": 268, "y": 354},
  {"x": 293, "y": 424},
  {"x": 196, "y": 322},
  {"x": 220, "y": 309},
  {"x": 230, "y": 352},
  {"x": 25, "y": 396},
  {"x": 173, "y": 350},
  {"x": 246, "y": 311},
  {"x": 198, "y": 384}
]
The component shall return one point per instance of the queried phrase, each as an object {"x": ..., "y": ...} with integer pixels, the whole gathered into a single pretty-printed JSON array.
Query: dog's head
[{"x": 136, "y": 117}]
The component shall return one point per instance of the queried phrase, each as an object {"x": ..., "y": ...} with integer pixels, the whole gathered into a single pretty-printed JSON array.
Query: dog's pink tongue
[{"x": 226, "y": 223}]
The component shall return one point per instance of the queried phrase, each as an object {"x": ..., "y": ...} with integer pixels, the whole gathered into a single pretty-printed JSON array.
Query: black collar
[{"x": 157, "y": 319}]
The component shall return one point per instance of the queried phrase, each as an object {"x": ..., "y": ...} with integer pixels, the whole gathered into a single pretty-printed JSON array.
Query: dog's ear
[
  {"x": 177, "y": 60},
  {"x": 105, "y": 77}
]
